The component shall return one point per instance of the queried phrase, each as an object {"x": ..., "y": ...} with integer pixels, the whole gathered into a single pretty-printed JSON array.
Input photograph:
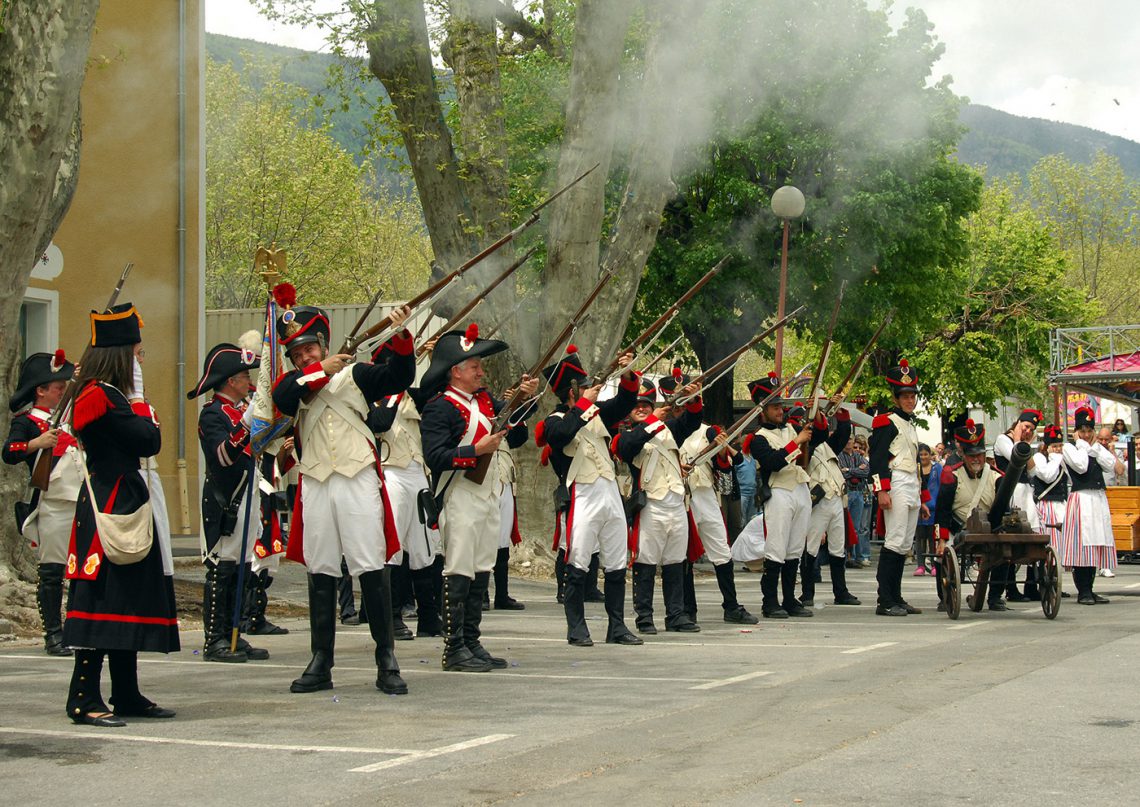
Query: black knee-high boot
[
  {"x": 614, "y": 589},
  {"x": 839, "y": 589},
  {"x": 643, "y": 580},
  {"x": 770, "y": 590},
  {"x": 376, "y": 591},
  {"x": 790, "y": 604},
  {"x": 49, "y": 598},
  {"x": 503, "y": 599},
  {"x": 322, "y": 635},
  {"x": 258, "y": 624},
  {"x": 399, "y": 586},
  {"x": 456, "y": 656},
  {"x": 733, "y": 611},
  {"x": 216, "y": 639},
  {"x": 673, "y": 592},
  {"x": 807, "y": 565},
  {"x": 690, "y": 589},
  {"x": 427, "y": 602},
  {"x": 575, "y": 597},
  {"x": 889, "y": 570},
  {"x": 228, "y": 570},
  {"x": 593, "y": 593},
  {"x": 473, "y": 618},
  {"x": 560, "y": 574}
]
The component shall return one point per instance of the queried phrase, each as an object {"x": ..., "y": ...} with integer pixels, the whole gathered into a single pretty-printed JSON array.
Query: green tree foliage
[
  {"x": 274, "y": 174},
  {"x": 1011, "y": 292},
  {"x": 1092, "y": 211}
]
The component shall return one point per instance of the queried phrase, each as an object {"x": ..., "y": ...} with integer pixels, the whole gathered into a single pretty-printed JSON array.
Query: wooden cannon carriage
[{"x": 1000, "y": 536}]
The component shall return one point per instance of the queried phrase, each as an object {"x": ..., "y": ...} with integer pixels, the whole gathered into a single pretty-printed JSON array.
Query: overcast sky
[{"x": 1054, "y": 59}]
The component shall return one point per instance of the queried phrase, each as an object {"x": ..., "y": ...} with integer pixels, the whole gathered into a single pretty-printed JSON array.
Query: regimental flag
[{"x": 268, "y": 422}]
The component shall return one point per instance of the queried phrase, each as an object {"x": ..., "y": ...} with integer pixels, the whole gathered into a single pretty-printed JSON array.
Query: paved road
[{"x": 846, "y": 708}]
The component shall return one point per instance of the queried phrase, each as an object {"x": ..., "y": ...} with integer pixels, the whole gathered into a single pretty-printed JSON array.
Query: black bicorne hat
[
  {"x": 451, "y": 349},
  {"x": 674, "y": 381},
  {"x": 563, "y": 372},
  {"x": 37, "y": 370},
  {"x": 222, "y": 362},
  {"x": 971, "y": 438},
  {"x": 761, "y": 388},
  {"x": 1051, "y": 435},
  {"x": 1084, "y": 417},
  {"x": 122, "y": 325},
  {"x": 302, "y": 325},
  {"x": 902, "y": 378}
]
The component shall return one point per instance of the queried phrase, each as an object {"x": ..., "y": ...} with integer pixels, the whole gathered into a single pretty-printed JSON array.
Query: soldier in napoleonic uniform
[
  {"x": 1051, "y": 487},
  {"x": 578, "y": 434},
  {"x": 829, "y": 512},
  {"x": 662, "y": 531},
  {"x": 896, "y": 481},
  {"x": 1087, "y": 542},
  {"x": 460, "y": 443},
  {"x": 229, "y": 515},
  {"x": 43, "y": 380},
  {"x": 777, "y": 446},
  {"x": 342, "y": 507}
]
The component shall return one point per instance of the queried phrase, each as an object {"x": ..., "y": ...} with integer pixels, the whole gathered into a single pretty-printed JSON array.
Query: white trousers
[
  {"x": 827, "y": 517},
  {"x": 344, "y": 517},
  {"x": 597, "y": 523},
  {"x": 749, "y": 544},
  {"x": 663, "y": 531},
  {"x": 705, "y": 509},
  {"x": 786, "y": 517},
  {"x": 418, "y": 541},
  {"x": 49, "y": 529},
  {"x": 228, "y": 547},
  {"x": 506, "y": 516},
  {"x": 469, "y": 526},
  {"x": 900, "y": 522}
]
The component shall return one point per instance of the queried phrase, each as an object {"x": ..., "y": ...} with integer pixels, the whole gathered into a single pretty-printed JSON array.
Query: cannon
[{"x": 1001, "y": 535}]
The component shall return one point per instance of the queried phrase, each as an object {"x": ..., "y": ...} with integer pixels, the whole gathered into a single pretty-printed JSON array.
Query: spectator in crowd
[
  {"x": 940, "y": 452},
  {"x": 856, "y": 471},
  {"x": 746, "y": 480},
  {"x": 1119, "y": 428},
  {"x": 930, "y": 470}
]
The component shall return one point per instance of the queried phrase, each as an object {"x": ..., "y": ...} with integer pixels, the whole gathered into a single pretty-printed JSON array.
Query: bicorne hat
[
  {"x": 122, "y": 325},
  {"x": 451, "y": 349},
  {"x": 971, "y": 438},
  {"x": 37, "y": 370},
  {"x": 223, "y": 362}
]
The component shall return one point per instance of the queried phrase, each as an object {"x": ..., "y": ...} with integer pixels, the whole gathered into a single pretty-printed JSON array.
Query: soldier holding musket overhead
[
  {"x": 342, "y": 507},
  {"x": 461, "y": 439}
]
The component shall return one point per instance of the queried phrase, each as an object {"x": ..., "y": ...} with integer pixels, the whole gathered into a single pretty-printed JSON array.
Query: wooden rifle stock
[{"x": 848, "y": 382}]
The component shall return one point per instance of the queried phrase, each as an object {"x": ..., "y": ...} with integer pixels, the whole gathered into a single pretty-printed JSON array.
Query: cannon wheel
[
  {"x": 951, "y": 582},
  {"x": 1050, "y": 585}
]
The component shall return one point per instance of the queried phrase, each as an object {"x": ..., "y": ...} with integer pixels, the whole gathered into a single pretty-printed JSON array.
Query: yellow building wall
[{"x": 126, "y": 209}]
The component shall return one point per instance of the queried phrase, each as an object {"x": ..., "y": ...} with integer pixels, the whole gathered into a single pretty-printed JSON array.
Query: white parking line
[
  {"x": 416, "y": 756},
  {"x": 968, "y": 625},
  {"x": 867, "y": 648},
  {"x": 136, "y": 738},
  {"x": 734, "y": 680},
  {"x": 1133, "y": 585}
]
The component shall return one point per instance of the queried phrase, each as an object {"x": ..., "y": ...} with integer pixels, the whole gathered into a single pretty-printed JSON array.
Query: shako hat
[
  {"x": 1083, "y": 418},
  {"x": 795, "y": 416},
  {"x": 302, "y": 325},
  {"x": 674, "y": 381},
  {"x": 971, "y": 437},
  {"x": 902, "y": 378},
  {"x": 223, "y": 362},
  {"x": 455, "y": 347},
  {"x": 37, "y": 370},
  {"x": 761, "y": 388},
  {"x": 1051, "y": 435},
  {"x": 1033, "y": 416},
  {"x": 562, "y": 373},
  {"x": 121, "y": 325},
  {"x": 646, "y": 392}
]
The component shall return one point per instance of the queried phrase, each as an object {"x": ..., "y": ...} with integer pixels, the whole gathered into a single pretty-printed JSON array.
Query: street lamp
[{"x": 788, "y": 204}]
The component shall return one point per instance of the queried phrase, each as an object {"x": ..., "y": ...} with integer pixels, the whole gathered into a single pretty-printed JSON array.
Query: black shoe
[
  {"x": 220, "y": 651},
  {"x": 1016, "y": 596},
  {"x": 648, "y": 628},
  {"x": 910, "y": 609},
  {"x": 774, "y": 613},
  {"x": 252, "y": 653},
  {"x": 152, "y": 711},
  {"x": 509, "y": 604},
  {"x": 740, "y": 616},
  {"x": 852, "y": 564},
  {"x": 390, "y": 683},
  {"x": 807, "y": 602},
  {"x": 998, "y": 605},
  {"x": 317, "y": 677},
  {"x": 351, "y": 619},
  {"x": 941, "y": 608},
  {"x": 891, "y": 610},
  {"x": 624, "y": 638},
  {"x": 581, "y": 642},
  {"x": 401, "y": 632},
  {"x": 1099, "y": 600},
  {"x": 107, "y": 721},
  {"x": 463, "y": 660},
  {"x": 848, "y": 599},
  {"x": 1086, "y": 599},
  {"x": 796, "y": 609},
  {"x": 481, "y": 653},
  {"x": 1065, "y": 595},
  {"x": 684, "y": 627},
  {"x": 58, "y": 649},
  {"x": 267, "y": 628}
]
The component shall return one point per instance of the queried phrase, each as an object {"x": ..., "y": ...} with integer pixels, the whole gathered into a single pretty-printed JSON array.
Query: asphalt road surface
[{"x": 844, "y": 708}]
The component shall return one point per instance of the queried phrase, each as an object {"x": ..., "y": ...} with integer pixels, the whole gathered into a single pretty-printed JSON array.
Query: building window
[{"x": 39, "y": 322}]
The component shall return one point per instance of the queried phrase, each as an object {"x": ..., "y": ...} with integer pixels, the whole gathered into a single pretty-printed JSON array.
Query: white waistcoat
[
  {"x": 660, "y": 465},
  {"x": 791, "y": 474},
  {"x": 904, "y": 448},
  {"x": 968, "y": 491},
  {"x": 702, "y": 475},
  {"x": 402, "y": 444},
  {"x": 825, "y": 472},
  {"x": 334, "y": 437}
]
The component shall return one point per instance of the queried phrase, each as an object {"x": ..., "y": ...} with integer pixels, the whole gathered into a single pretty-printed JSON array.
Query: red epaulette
[
  {"x": 614, "y": 444},
  {"x": 540, "y": 434},
  {"x": 90, "y": 405},
  {"x": 544, "y": 457},
  {"x": 948, "y": 473},
  {"x": 880, "y": 421},
  {"x": 746, "y": 446}
]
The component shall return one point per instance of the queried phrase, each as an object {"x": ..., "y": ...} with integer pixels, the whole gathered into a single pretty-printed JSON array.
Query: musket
[
  {"x": 433, "y": 291},
  {"x": 351, "y": 338},
  {"x": 41, "y": 468},
  {"x": 848, "y": 383},
  {"x": 480, "y": 297},
  {"x": 661, "y": 323},
  {"x": 718, "y": 370},
  {"x": 821, "y": 368},
  {"x": 495, "y": 328},
  {"x": 739, "y": 426},
  {"x": 668, "y": 349},
  {"x": 479, "y": 472}
]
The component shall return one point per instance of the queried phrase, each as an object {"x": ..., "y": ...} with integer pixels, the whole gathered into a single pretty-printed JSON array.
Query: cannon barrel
[{"x": 1017, "y": 462}]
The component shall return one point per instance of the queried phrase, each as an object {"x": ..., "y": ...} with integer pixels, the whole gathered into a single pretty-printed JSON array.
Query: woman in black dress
[{"x": 114, "y": 611}]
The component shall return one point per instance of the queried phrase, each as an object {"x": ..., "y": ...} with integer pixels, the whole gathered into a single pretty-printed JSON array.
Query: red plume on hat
[
  {"x": 472, "y": 332},
  {"x": 285, "y": 295},
  {"x": 58, "y": 360},
  {"x": 677, "y": 374},
  {"x": 571, "y": 348}
]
